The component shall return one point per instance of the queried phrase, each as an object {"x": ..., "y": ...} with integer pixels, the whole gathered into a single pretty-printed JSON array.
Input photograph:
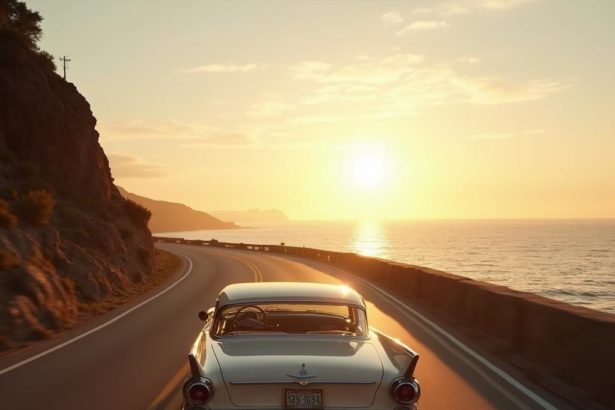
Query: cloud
[
  {"x": 315, "y": 119},
  {"x": 506, "y": 135},
  {"x": 222, "y": 68},
  {"x": 392, "y": 18},
  {"x": 365, "y": 72},
  {"x": 470, "y": 60},
  {"x": 449, "y": 8},
  {"x": 536, "y": 131},
  {"x": 422, "y": 26},
  {"x": 341, "y": 93},
  {"x": 126, "y": 166},
  {"x": 492, "y": 136},
  {"x": 495, "y": 90},
  {"x": 269, "y": 109},
  {"x": 172, "y": 130},
  {"x": 403, "y": 84},
  {"x": 309, "y": 70},
  {"x": 227, "y": 138},
  {"x": 135, "y": 130}
]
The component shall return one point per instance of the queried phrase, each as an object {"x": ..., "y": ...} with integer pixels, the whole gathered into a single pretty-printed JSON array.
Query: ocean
[{"x": 569, "y": 260}]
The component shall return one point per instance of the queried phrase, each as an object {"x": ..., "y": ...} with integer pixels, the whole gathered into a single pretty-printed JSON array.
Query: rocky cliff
[
  {"x": 174, "y": 217},
  {"x": 67, "y": 236}
]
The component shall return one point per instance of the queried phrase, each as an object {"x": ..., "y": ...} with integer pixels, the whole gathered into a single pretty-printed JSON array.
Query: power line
[{"x": 64, "y": 60}]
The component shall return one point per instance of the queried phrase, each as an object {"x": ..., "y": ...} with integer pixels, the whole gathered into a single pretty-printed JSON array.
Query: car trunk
[{"x": 257, "y": 372}]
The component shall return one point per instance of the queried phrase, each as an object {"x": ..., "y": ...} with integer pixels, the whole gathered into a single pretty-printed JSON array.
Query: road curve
[{"x": 135, "y": 357}]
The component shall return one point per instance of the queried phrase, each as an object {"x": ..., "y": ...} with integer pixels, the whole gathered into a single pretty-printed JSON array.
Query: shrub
[
  {"x": 79, "y": 235},
  {"x": 144, "y": 256},
  {"x": 138, "y": 214},
  {"x": 46, "y": 60},
  {"x": 70, "y": 216},
  {"x": 35, "y": 207},
  {"x": 8, "y": 259},
  {"x": 9, "y": 193},
  {"x": 36, "y": 185},
  {"x": 125, "y": 233},
  {"x": 7, "y": 156},
  {"x": 7, "y": 219},
  {"x": 69, "y": 285},
  {"x": 29, "y": 170}
]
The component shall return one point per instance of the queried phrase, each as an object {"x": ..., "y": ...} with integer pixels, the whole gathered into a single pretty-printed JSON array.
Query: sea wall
[{"x": 573, "y": 343}]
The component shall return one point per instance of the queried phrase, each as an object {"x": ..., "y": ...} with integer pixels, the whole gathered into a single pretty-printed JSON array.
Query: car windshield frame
[{"x": 272, "y": 333}]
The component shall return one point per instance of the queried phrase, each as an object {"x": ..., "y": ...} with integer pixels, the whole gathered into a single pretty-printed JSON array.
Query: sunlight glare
[
  {"x": 368, "y": 171},
  {"x": 370, "y": 239},
  {"x": 368, "y": 167}
]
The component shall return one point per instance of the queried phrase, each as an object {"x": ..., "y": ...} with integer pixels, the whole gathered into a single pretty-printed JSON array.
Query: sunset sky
[{"x": 352, "y": 109}]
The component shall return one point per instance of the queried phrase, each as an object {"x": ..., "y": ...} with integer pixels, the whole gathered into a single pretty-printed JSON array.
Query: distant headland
[
  {"x": 253, "y": 216},
  {"x": 174, "y": 216}
]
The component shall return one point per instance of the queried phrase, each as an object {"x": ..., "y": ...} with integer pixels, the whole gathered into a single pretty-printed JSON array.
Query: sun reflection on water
[{"x": 369, "y": 239}]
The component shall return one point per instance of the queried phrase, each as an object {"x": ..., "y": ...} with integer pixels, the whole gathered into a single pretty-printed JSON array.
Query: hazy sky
[{"x": 352, "y": 109}]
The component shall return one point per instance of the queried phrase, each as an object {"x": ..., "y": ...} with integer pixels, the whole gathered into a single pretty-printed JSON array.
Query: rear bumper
[{"x": 184, "y": 407}]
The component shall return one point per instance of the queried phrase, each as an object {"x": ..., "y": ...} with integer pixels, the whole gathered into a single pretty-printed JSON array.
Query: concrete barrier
[{"x": 573, "y": 343}]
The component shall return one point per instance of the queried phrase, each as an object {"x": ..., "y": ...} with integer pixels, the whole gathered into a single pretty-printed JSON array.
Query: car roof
[{"x": 261, "y": 292}]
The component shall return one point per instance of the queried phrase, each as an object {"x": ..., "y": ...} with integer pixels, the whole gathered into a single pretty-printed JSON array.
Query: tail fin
[
  {"x": 412, "y": 365},
  {"x": 195, "y": 368}
]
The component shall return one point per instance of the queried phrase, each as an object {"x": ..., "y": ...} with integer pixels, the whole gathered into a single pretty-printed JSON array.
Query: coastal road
[{"x": 135, "y": 357}]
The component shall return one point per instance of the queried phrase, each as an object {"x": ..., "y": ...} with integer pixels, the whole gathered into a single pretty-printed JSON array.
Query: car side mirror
[{"x": 203, "y": 315}]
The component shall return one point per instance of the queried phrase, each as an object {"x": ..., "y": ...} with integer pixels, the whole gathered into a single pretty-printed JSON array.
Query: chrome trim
[
  {"x": 191, "y": 382},
  {"x": 266, "y": 382},
  {"x": 301, "y": 382},
  {"x": 415, "y": 385},
  {"x": 301, "y": 377},
  {"x": 303, "y": 374}
]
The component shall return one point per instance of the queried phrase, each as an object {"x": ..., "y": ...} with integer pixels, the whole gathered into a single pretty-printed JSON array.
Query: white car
[{"x": 288, "y": 345}]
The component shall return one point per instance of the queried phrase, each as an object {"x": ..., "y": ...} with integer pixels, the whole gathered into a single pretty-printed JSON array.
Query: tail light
[
  {"x": 406, "y": 391},
  {"x": 198, "y": 391}
]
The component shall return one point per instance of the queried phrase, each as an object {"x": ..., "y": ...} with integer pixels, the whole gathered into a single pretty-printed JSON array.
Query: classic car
[{"x": 290, "y": 345}]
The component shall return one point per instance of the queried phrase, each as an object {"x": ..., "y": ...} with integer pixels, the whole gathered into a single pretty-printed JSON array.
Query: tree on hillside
[
  {"x": 24, "y": 25},
  {"x": 17, "y": 17}
]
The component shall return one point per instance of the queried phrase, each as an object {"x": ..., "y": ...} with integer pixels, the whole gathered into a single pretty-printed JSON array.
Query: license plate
[{"x": 303, "y": 399}]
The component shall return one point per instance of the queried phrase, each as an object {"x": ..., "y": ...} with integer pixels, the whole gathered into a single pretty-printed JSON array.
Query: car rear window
[{"x": 290, "y": 318}]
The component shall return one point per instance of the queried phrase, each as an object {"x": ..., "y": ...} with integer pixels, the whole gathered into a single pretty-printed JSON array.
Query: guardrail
[{"x": 574, "y": 343}]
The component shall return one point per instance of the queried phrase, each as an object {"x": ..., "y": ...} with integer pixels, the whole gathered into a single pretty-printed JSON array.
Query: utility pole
[{"x": 64, "y": 60}]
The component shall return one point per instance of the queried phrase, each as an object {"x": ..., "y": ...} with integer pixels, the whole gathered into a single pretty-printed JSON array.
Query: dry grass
[
  {"x": 167, "y": 264},
  {"x": 7, "y": 219}
]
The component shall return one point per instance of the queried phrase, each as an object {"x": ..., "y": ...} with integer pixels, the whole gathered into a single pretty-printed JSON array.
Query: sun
[{"x": 368, "y": 170}]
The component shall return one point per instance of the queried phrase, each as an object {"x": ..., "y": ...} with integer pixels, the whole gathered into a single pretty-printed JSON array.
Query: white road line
[
  {"x": 97, "y": 328},
  {"x": 485, "y": 362}
]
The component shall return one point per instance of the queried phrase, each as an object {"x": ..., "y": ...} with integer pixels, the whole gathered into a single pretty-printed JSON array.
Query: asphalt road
[{"x": 135, "y": 357}]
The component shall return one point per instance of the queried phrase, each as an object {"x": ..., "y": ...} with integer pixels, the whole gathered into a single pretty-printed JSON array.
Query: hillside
[
  {"x": 173, "y": 216},
  {"x": 253, "y": 216},
  {"x": 67, "y": 237}
]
